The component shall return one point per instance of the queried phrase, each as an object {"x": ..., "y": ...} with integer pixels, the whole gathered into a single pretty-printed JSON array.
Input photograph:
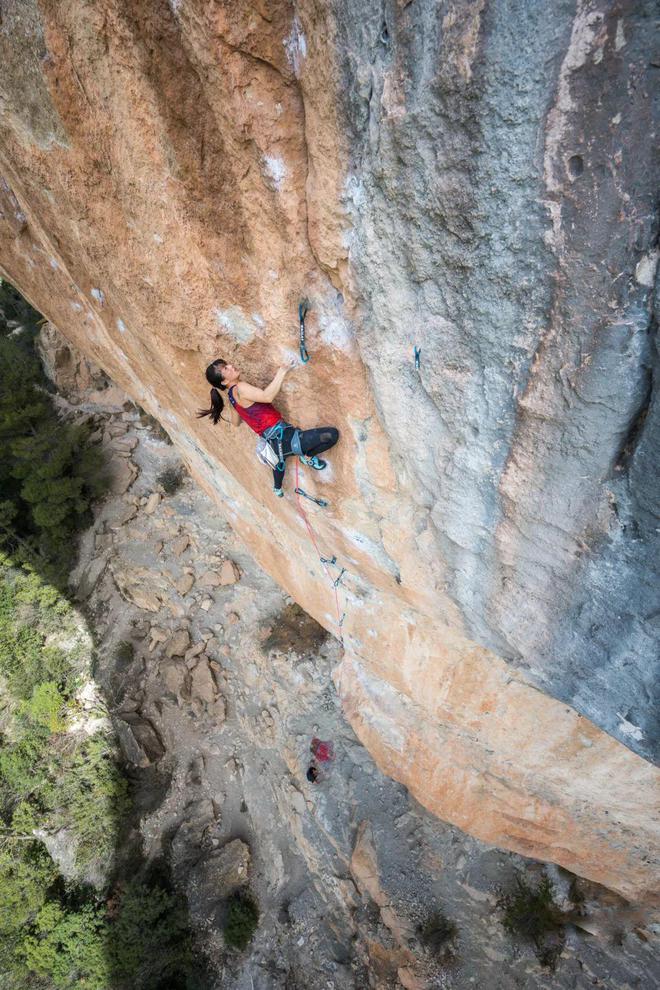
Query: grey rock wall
[{"x": 503, "y": 195}]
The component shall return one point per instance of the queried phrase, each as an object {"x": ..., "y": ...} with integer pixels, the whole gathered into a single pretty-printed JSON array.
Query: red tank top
[{"x": 259, "y": 416}]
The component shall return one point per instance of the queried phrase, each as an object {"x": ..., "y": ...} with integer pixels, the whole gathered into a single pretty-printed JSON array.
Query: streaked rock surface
[{"x": 471, "y": 179}]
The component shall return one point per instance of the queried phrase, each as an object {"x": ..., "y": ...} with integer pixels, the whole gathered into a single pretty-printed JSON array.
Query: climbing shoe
[
  {"x": 278, "y": 492},
  {"x": 313, "y": 462}
]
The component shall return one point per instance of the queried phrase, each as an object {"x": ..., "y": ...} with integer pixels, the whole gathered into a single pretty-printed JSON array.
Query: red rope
[{"x": 340, "y": 617}]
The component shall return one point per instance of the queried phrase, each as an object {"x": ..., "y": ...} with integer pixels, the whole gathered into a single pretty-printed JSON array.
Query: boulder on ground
[
  {"x": 178, "y": 643},
  {"x": 229, "y": 573},
  {"x": 184, "y": 584},
  {"x": 90, "y": 577},
  {"x": 175, "y": 676},
  {"x": 121, "y": 475},
  {"x": 209, "y": 580},
  {"x": 157, "y": 636},
  {"x": 139, "y": 585},
  {"x": 152, "y": 503},
  {"x": 178, "y": 545},
  {"x": 139, "y": 740}
]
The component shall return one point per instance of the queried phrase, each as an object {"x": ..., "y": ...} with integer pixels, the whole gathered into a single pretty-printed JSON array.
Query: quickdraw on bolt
[
  {"x": 303, "y": 309},
  {"x": 319, "y": 501},
  {"x": 328, "y": 560},
  {"x": 343, "y": 571},
  {"x": 416, "y": 354}
]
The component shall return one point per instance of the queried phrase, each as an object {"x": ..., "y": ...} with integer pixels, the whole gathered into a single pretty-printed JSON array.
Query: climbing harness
[
  {"x": 303, "y": 309},
  {"x": 319, "y": 501},
  {"x": 275, "y": 433},
  {"x": 416, "y": 354},
  {"x": 324, "y": 560},
  {"x": 266, "y": 454}
]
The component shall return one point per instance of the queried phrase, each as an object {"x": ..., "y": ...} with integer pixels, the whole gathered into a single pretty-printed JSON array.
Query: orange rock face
[{"x": 175, "y": 178}]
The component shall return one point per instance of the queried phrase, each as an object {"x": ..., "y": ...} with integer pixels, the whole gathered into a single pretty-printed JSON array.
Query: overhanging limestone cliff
[{"x": 466, "y": 178}]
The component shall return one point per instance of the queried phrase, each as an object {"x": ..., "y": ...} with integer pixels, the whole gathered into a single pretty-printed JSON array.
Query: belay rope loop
[
  {"x": 325, "y": 561},
  {"x": 303, "y": 309}
]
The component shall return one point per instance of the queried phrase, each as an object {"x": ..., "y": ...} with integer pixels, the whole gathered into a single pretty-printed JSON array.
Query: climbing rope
[
  {"x": 303, "y": 309},
  {"x": 325, "y": 561}
]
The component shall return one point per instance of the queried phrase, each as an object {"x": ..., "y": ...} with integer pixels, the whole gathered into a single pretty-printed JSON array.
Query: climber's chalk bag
[{"x": 266, "y": 454}]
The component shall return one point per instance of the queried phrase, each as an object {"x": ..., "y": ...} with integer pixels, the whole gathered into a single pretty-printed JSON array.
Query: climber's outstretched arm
[{"x": 254, "y": 394}]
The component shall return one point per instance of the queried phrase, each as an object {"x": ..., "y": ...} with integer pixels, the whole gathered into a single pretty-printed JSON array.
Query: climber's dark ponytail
[
  {"x": 217, "y": 405},
  {"x": 214, "y": 377}
]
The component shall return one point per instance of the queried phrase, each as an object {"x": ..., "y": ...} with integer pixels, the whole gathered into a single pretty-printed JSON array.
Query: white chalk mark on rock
[
  {"x": 295, "y": 46},
  {"x": 234, "y": 321},
  {"x": 628, "y": 729},
  {"x": 276, "y": 169}
]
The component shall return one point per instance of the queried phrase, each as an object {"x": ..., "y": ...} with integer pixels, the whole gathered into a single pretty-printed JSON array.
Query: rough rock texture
[{"x": 474, "y": 179}]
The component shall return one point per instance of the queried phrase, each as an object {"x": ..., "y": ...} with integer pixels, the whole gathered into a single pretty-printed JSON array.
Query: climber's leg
[
  {"x": 313, "y": 442},
  {"x": 282, "y": 447},
  {"x": 278, "y": 478}
]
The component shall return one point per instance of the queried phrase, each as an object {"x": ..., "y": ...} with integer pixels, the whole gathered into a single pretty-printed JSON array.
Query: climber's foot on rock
[{"x": 313, "y": 462}]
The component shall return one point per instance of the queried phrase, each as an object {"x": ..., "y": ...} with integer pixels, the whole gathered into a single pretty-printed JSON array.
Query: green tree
[
  {"x": 49, "y": 471},
  {"x": 68, "y": 947}
]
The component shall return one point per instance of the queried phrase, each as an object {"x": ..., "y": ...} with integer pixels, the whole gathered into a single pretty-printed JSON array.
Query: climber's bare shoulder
[{"x": 247, "y": 394}]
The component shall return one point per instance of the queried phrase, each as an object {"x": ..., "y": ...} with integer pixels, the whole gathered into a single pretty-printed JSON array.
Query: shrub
[
  {"x": 26, "y": 875},
  {"x": 86, "y": 790},
  {"x": 437, "y": 934},
  {"x": 46, "y": 707},
  {"x": 124, "y": 653},
  {"x": 531, "y": 913},
  {"x": 138, "y": 939},
  {"x": 29, "y": 609},
  {"x": 148, "y": 939},
  {"x": 242, "y": 920},
  {"x": 67, "y": 781},
  {"x": 171, "y": 478},
  {"x": 23, "y": 771},
  {"x": 68, "y": 947}
]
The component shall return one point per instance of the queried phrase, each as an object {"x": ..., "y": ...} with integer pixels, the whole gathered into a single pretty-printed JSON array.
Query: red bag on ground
[{"x": 323, "y": 751}]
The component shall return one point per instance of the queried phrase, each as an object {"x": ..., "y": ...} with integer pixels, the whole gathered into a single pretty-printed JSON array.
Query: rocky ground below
[{"x": 217, "y": 683}]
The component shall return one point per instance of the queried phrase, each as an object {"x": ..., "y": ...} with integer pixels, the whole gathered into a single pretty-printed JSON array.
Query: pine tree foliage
[{"x": 49, "y": 471}]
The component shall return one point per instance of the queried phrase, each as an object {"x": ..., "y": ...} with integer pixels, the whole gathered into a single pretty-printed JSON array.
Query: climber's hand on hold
[{"x": 288, "y": 363}]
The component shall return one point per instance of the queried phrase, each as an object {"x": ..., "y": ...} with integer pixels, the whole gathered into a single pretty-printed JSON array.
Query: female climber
[{"x": 254, "y": 405}]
